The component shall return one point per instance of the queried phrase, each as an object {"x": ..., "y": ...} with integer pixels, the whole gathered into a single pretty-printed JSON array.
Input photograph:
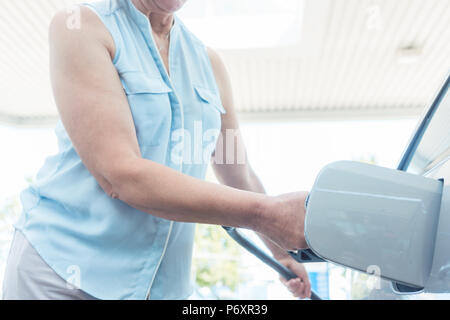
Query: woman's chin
[{"x": 169, "y": 6}]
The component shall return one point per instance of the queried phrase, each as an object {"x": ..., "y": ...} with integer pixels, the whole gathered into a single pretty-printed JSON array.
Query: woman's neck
[{"x": 161, "y": 23}]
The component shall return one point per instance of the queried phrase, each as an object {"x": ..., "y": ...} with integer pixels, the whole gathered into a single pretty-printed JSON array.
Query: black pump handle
[{"x": 269, "y": 260}]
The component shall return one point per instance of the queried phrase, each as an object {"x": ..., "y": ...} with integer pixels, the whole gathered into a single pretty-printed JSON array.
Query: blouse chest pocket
[
  {"x": 150, "y": 106},
  {"x": 212, "y": 108}
]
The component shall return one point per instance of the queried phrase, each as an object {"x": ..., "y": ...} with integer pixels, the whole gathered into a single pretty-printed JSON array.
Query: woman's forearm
[
  {"x": 166, "y": 193},
  {"x": 256, "y": 185},
  {"x": 246, "y": 179}
]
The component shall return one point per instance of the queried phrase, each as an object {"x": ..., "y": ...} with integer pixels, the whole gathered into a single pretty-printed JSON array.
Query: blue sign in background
[{"x": 319, "y": 283}]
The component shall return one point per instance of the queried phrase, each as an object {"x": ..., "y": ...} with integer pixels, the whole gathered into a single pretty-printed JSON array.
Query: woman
[{"x": 143, "y": 106}]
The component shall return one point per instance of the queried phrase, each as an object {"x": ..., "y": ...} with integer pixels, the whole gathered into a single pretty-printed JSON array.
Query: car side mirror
[{"x": 376, "y": 220}]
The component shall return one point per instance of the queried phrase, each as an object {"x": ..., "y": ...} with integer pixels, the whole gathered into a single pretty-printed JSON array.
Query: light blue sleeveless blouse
[{"x": 104, "y": 246}]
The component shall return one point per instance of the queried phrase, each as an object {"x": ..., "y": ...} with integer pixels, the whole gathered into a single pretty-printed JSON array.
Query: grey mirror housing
[{"x": 375, "y": 220}]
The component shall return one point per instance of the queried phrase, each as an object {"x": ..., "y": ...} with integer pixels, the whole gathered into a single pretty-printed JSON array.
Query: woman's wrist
[
  {"x": 263, "y": 214},
  {"x": 265, "y": 222},
  {"x": 280, "y": 254}
]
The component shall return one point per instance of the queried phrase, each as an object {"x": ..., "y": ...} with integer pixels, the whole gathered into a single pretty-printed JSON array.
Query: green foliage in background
[
  {"x": 10, "y": 209},
  {"x": 9, "y": 212},
  {"x": 216, "y": 259},
  {"x": 369, "y": 158},
  {"x": 361, "y": 284}
]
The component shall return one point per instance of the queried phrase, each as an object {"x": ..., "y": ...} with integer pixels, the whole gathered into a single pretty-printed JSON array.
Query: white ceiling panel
[{"x": 346, "y": 58}]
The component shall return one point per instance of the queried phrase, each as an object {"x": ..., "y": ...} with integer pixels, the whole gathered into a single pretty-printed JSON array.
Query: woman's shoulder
[
  {"x": 79, "y": 24},
  {"x": 193, "y": 39}
]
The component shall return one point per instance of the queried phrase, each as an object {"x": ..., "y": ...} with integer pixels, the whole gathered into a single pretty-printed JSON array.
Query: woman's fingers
[
  {"x": 301, "y": 286},
  {"x": 307, "y": 287},
  {"x": 298, "y": 288}
]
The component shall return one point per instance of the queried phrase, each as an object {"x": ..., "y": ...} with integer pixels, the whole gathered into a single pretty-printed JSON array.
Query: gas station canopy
[{"x": 310, "y": 59}]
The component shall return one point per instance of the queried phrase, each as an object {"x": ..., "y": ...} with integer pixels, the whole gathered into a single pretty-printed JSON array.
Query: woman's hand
[
  {"x": 284, "y": 221},
  {"x": 299, "y": 287}
]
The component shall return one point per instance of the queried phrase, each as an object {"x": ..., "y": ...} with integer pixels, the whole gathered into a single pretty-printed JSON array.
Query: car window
[{"x": 431, "y": 143}]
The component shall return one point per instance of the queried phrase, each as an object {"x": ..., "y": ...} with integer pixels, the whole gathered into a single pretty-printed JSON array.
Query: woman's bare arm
[
  {"x": 95, "y": 112},
  {"x": 241, "y": 175},
  {"x": 236, "y": 174}
]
